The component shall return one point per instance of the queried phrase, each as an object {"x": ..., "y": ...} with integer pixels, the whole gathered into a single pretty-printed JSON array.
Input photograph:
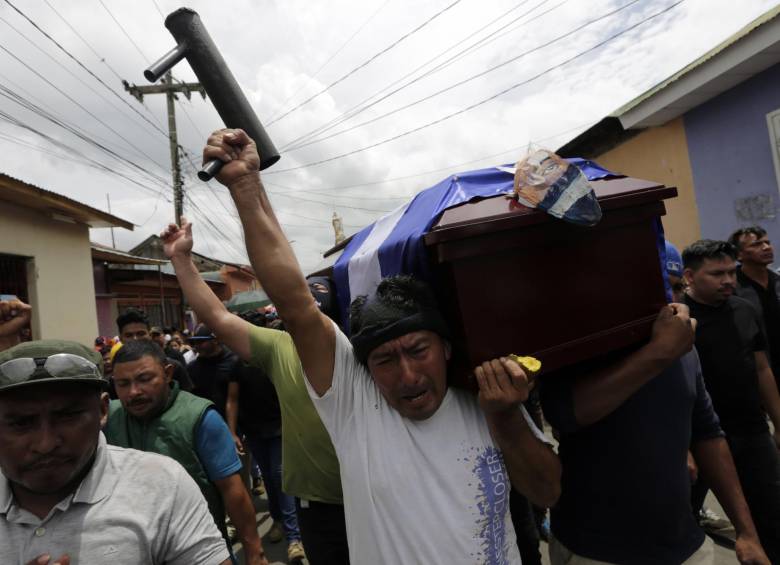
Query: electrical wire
[
  {"x": 80, "y": 64},
  {"x": 366, "y": 184},
  {"x": 366, "y": 62},
  {"x": 81, "y": 106},
  {"x": 471, "y": 78},
  {"x": 325, "y": 64},
  {"x": 97, "y": 164},
  {"x": 480, "y": 102},
  {"x": 124, "y": 31},
  {"x": 71, "y": 73},
  {"x": 21, "y": 101},
  {"x": 371, "y": 101}
]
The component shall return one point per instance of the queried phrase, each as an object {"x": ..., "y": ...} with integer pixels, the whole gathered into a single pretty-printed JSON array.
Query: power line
[
  {"x": 79, "y": 63},
  {"x": 371, "y": 101},
  {"x": 472, "y": 77},
  {"x": 127, "y": 35},
  {"x": 81, "y": 106},
  {"x": 450, "y": 167},
  {"x": 301, "y": 199},
  {"x": 156, "y": 5},
  {"x": 21, "y": 101},
  {"x": 97, "y": 164},
  {"x": 366, "y": 62},
  {"x": 67, "y": 23},
  {"x": 325, "y": 64},
  {"x": 67, "y": 70},
  {"x": 481, "y": 102}
]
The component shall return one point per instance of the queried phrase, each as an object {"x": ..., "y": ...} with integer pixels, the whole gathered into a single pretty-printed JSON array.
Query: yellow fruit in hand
[{"x": 530, "y": 365}]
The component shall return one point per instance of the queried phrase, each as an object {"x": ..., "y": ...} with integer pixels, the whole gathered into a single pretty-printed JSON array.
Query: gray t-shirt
[{"x": 132, "y": 507}]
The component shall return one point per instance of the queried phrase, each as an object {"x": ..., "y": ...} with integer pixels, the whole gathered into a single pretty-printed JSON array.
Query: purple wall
[{"x": 731, "y": 158}]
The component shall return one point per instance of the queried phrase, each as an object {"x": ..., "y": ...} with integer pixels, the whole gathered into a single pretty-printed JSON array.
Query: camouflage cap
[{"x": 63, "y": 369}]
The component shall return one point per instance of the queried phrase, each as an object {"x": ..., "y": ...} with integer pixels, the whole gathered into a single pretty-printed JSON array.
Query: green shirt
[{"x": 310, "y": 469}]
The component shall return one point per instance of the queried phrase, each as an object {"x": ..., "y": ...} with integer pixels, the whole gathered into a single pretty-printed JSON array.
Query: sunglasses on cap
[{"x": 59, "y": 365}]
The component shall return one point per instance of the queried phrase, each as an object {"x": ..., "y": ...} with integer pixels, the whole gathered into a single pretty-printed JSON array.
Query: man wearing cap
[
  {"x": 133, "y": 324},
  {"x": 425, "y": 468},
  {"x": 310, "y": 469},
  {"x": 153, "y": 414},
  {"x": 68, "y": 497},
  {"x": 674, "y": 272}
]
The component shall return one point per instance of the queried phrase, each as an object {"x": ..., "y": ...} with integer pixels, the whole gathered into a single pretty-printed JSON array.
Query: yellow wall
[
  {"x": 661, "y": 154},
  {"x": 60, "y": 283}
]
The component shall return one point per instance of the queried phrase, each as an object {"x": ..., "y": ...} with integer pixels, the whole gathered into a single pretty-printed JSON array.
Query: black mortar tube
[{"x": 195, "y": 44}]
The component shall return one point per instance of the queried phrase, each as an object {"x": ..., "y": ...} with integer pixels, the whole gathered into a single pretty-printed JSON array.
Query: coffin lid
[{"x": 500, "y": 213}]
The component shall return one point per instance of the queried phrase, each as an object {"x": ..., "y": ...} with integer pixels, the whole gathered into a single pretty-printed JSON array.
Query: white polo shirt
[{"x": 132, "y": 507}]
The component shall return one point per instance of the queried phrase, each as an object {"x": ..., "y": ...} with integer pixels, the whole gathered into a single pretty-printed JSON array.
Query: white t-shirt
[
  {"x": 430, "y": 491},
  {"x": 132, "y": 507}
]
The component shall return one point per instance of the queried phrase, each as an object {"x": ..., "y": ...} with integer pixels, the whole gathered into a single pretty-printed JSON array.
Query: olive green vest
[{"x": 171, "y": 433}]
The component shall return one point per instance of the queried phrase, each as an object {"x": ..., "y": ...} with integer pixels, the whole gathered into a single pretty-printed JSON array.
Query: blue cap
[{"x": 674, "y": 265}]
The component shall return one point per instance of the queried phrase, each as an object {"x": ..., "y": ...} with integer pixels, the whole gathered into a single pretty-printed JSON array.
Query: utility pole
[{"x": 169, "y": 88}]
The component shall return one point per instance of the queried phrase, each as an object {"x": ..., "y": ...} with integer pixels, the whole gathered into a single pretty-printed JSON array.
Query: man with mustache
[
  {"x": 152, "y": 414},
  {"x": 68, "y": 497},
  {"x": 425, "y": 468},
  {"x": 736, "y": 370}
]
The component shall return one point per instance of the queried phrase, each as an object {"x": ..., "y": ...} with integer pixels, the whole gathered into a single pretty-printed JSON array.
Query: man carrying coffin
[{"x": 425, "y": 468}]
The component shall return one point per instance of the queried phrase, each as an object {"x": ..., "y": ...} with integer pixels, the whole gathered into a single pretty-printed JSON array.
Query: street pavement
[{"x": 276, "y": 552}]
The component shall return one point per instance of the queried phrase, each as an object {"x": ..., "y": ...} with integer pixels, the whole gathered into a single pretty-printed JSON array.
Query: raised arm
[
  {"x": 15, "y": 315},
  {"x": 272, "y": 257},
  {"x": 229, "y": 328}
]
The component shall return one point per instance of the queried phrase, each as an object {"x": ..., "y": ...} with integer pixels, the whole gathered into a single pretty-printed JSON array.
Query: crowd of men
[{"x": 368, "y": 456}]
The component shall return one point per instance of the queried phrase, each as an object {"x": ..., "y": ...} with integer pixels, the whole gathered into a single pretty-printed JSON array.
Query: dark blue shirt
[{"x": 625, "y": 485}]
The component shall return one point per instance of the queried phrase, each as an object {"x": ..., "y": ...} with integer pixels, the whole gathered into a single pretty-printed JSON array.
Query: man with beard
[
  {"x": 64, "y": 492},
  {"x": 152, "y": 415},
  {"x": 737, "y": 374}
]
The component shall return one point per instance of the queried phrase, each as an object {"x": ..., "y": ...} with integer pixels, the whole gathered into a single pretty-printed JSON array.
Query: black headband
[{"x": 383, "y": 329}]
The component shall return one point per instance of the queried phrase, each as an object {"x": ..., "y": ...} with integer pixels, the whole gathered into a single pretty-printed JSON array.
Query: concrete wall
[
  {"x": 60, "y": 282},
  {"x": 661, "y": 154},
  {"x": 731, "y": 157}
]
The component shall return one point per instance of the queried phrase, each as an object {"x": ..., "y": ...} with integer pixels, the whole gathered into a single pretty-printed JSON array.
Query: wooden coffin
[{"x": 511, "y": 279}]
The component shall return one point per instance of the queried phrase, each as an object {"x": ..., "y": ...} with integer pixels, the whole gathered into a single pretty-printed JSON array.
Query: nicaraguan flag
[{"x": 394, "y": 243}]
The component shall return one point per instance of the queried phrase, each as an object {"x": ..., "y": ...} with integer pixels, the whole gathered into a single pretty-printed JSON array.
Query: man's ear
[
  {"x": 104, "y": 400},
  {"x": 169, "y": 368},
  {"x": 447, "y": 350},
  {"x": 688, "y": 275}
]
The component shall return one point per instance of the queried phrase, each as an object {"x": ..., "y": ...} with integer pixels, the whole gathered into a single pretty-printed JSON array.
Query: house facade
[
  {"x": 712, "y": 130},
  {"x": 45, "y": 258}
]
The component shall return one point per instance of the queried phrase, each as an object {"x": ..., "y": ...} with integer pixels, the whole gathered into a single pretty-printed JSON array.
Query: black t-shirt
[
  {"x": 631, "y": 463},
  {"x": 211, "y": 375},
  {"x": 259, "y": 414},
  {"x": 768, "y": 304},
  {"x": 181, "y": 375},
  {"x": 727, "y": 337}
]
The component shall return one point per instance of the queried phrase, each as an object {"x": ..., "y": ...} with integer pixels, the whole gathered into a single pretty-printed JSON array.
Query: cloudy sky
[{"x": 368, "y": 102}]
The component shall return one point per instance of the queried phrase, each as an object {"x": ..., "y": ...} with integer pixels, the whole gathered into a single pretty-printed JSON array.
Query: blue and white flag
[{"x": 394, "y": 244}]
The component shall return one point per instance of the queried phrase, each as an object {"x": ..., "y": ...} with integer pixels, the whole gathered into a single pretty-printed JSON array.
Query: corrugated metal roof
[
  {"x": 711, "y": 54},
  {"x": 22, "y": 193}
]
